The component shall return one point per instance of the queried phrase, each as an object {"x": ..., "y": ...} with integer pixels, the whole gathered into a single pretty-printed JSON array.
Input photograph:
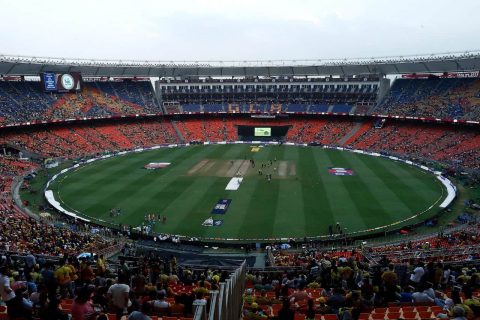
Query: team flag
[
  {"x": 341, "y": 171},
  {"x": 222, "y": 206},
  {"x": 210, "y": 222}
]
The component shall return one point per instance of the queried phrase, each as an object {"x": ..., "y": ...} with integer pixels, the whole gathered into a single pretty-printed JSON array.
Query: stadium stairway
[
  {"x": 359, "y": 129},
  {"x": 179, "y": 133}
]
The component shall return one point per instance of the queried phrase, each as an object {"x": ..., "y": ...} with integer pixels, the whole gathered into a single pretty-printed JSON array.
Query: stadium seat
[
  {"x": 436, "y": 309},
  {"x": 330, "y": 317},
  {"x": 380, "y": 310},
  {"x": 408, "y": 309},
  {"x": 409, "y": 315},
  {"x": 393, "y": 315},
  {"x": 425, "y": 314},
  {"x": 378, "y": 316},
  {"x": 364, "y": 316}
]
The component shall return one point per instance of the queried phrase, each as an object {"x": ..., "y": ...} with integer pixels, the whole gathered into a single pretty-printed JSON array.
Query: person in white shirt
[
  {"x": 417, "y": 274},
  {"x": 160, "y": 305},
  {"x": 6, "y": 293},
  {"x": 421, "y": 296},
  {"x": 118, "y": 294}
]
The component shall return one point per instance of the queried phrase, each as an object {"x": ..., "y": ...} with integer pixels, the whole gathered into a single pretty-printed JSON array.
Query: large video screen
[
  {"x": 263, "y": 132},
  {"x": 61, "y": 82}
]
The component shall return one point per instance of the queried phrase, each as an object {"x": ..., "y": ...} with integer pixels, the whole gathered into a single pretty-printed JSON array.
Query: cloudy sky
[{"x": 237, "y": 30}]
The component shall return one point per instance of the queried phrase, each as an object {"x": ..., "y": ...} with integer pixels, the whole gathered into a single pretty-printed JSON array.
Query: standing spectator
[
  {"x": 63, "y": 276},
  {"x": 118, "y": 293},
  {"x": 6, "y": 292},
  {"x": 417, "y": 274},
  {"x": 20, "y": 307},
  {"x": 310, "y": 314},
  {"x": 285, "y": 313},
  {"x": 30, "y": 262}
]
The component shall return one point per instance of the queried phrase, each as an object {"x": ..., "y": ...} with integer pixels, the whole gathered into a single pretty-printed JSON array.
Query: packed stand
[
  {"x": 442, "y": 98},
  {"x": 23, "y": 101},
  {"x": 344, "y": 285},
  {"x": 444, "y": 143},
  {"x": 93, "y": 288},
  {"x": 80, "y": 140}
]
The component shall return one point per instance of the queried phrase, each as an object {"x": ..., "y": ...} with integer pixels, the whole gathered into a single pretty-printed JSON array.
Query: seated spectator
[
  {"x": 142, "y": 314},
  {"x": 160, "y": 305},
  {"x": 299, "y": 295},
  {"x": 20, "y": 307},
  {"x": 337, "y": 300},
  {"x": 178, "y": 308},
  {"x": 458, "y": 313},
  {"x": 263, "y": 299},
  {"x": 420, "y": 296},
  {"x": 201, "y": 287},
  {"x": 82, "y": 308},
  {"x": 51, "y": 311},
  {"x": 322, "y": 306}
]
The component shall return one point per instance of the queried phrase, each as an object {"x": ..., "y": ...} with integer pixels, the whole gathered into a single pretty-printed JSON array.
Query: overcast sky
[{"x": 237, "y": 30}]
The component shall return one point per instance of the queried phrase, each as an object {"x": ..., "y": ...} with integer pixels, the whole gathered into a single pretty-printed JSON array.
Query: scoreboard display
[
  {"x": 263, "y": 132},
  {"x": 61, "y": 82}
]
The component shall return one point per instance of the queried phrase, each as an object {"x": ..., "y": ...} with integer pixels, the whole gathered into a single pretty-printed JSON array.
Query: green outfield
[{"x": 302, "y": 198}]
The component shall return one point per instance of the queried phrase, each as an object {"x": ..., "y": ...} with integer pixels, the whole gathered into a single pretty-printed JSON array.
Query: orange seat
[
  {"x": 422, "y": 308},
  {"x": 378, "y": 316},
  {"x": 408, "y": 309},
  {"x": 393, "y": 309},
  {"x": 436, "y": 309},
  {"x": 409, "y": 315},
  {"x": 380, "y": 310},
  {"x": 393, "y": 315},
  {"x": 425, "y": 314},
  {"x": 364, "y": 316},
  {"x": 330, "y": 317}
]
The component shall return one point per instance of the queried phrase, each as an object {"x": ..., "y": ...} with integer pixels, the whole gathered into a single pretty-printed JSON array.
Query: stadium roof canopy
[{"x": 434, "y": 63}]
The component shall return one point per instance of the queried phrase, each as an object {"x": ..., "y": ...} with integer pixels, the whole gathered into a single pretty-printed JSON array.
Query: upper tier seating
[
  {"x": 457, "y": 98},
  {"x": 22, "y": 101}
]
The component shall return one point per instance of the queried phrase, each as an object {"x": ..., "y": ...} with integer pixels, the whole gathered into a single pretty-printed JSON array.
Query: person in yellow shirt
[
  {"x": 63, "y": 276},
  {"x": 101, "y": 265}
]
